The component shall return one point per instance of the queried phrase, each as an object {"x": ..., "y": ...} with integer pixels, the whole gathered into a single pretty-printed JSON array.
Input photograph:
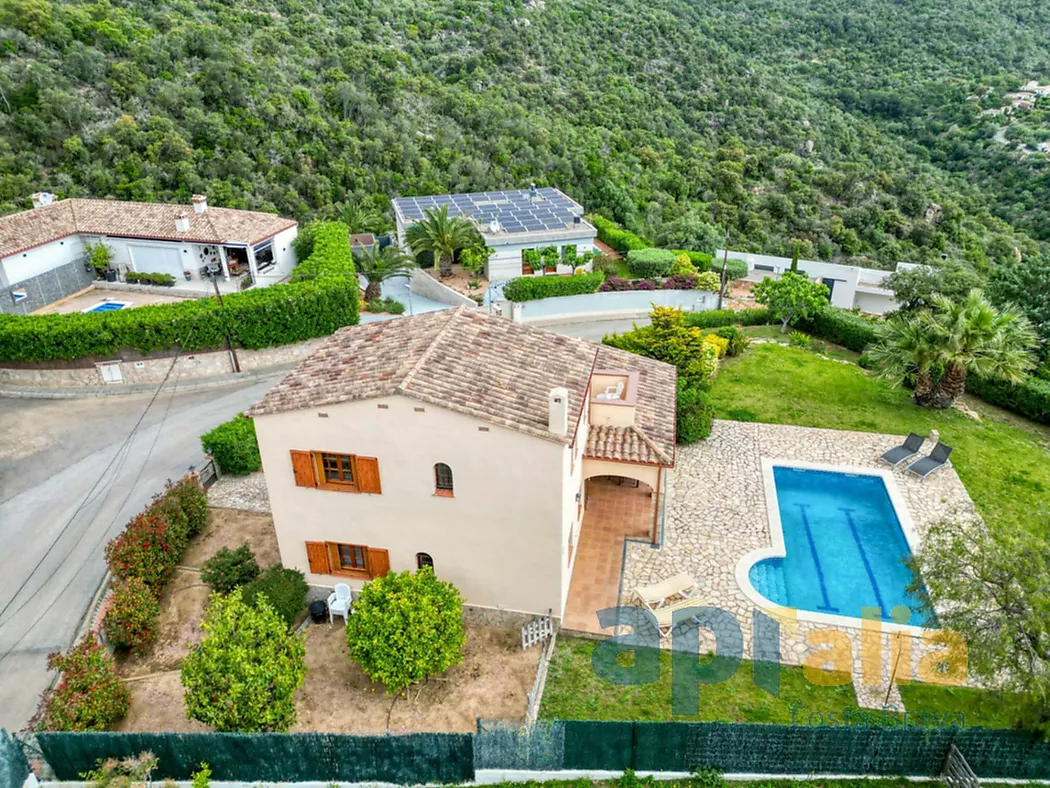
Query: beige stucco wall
[
  {"x": 499, "y": 539},
  {"x": 572, "y": 511},
  {"x": 643, "y": 473}
]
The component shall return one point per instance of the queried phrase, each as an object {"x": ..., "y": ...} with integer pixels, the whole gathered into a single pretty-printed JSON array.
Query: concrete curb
[{"x": 217, "y": 381}]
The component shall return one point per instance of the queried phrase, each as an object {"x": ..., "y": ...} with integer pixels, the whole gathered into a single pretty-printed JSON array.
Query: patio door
[{"x": 156, "y": 259}]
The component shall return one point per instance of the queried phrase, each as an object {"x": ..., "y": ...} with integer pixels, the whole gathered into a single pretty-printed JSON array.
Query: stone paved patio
[
  {"x": 716, "y": 514},
  {"x": 240, "y": 492}
]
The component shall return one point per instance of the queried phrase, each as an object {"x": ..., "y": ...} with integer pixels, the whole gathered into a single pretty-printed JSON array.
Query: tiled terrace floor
[{"x": 613, "y": 513}]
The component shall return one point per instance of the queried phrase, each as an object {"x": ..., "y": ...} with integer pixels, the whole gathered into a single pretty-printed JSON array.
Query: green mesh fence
[
  {"x": 787, "y": 749},
  {"x": 13, "y": 766},
  {"x": 274, "y": 757},
  {"x": 499, "y": 745}
]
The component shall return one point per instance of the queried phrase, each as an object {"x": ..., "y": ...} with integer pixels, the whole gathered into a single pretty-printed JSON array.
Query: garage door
[{"x": 156, "y": 260}]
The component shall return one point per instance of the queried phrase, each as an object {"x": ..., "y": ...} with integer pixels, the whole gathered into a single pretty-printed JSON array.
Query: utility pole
[
  {"x": 229, "y": 340},
  {"x": 725, "y": 264}
]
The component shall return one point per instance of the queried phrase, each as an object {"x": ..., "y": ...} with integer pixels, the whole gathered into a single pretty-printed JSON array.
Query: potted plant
[
  {"x": 550, "y": 259},
  {"x": 132, "y": 277},
  {"x": 188, "y": 274},
  {"x": 530, "y": 261},
  {"x": 101, "y": 259}
]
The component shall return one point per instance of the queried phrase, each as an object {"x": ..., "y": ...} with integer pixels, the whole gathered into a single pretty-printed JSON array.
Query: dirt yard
[
  {"x": 491, "y": 682},
  {"x": 153, "y": 678},
  {"x": 459, "y": 281}
]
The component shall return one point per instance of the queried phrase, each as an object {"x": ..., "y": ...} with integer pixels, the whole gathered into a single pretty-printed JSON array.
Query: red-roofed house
[{"x": 42, "y": 250}]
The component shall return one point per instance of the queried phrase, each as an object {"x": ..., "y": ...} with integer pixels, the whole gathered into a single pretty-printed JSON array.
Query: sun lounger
[
  {"x": 656, "y": 595},
  {"x": 905, "y": 451},
  {"x": 665, "y": 615},
  {"x": 938, "y": 458}
]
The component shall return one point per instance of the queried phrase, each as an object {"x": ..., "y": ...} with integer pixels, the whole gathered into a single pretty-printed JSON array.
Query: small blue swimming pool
[
  {"x": 844, "y": 546},
  {"x": 108, "y": 306}
]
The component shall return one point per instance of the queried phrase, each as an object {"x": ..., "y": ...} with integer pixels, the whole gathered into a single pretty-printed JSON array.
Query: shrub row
[
  {"x": 701, "y": 261},
  {"x": 715, "y": 318},
  {"x": 530, "y": 288},
  {"x": 146, "y": 278},
  {"x": 618, "y": 238},
  {"x": 841, "y": 327},
  {"x": 89, "y": 695},
  {"x": 233, "y": 446},
  {"x": 1030, "y": 398},
  {"x": 322, "y": 297},
  {"x": 704, "y": 281},
  {"x": 649, "y": 263}
]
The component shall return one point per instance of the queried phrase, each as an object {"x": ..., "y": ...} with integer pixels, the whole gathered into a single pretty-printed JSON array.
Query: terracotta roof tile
[
  {"x": 483, "y": 366},
  {"x": 624, "y": 444},
  {"x": 21, "y": 231}
]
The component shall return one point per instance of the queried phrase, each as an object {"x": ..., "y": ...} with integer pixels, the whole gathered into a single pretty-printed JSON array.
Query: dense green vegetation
[{"x": 844, "y": 124}]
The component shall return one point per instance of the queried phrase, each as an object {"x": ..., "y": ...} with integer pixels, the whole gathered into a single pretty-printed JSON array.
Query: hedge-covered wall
[
  {"x": 618, "y": 238},
  {"x": 322, "y": 297},
  {"x": 530, "y": 288}
]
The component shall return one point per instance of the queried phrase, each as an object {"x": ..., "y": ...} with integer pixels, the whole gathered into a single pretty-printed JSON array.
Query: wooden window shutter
[
  {"x": 378, "y": 562},
  {"x": 317, "y": 554},
  {"x": 303, "y": 468},
  {"x": 368, "y": 475}
]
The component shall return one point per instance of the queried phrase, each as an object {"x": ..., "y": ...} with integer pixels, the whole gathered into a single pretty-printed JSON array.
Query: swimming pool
[
  {"x": 108, "y": 306},
  {"x": 840, "y": 547}
]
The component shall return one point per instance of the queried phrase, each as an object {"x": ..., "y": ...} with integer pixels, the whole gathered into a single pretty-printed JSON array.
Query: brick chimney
[
  {"x": 200, "y": 202},
  {"x": 41, "y": 199},
  {"x": 182, "y": 222}
]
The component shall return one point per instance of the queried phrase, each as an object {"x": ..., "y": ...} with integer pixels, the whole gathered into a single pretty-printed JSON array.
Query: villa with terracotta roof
[
  {"x": 43, "y": 250},
  {"x": 467, "y": 442}
]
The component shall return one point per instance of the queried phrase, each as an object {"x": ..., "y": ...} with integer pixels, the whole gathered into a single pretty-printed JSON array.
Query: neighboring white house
[
  {"x": 42, "y": 250},
  {"x": 851, "y": 286},
  {"x": 462, "y": 441},
  {"x": 510, "y": 222}
]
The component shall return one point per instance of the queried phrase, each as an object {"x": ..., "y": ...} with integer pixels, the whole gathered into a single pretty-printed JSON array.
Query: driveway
[{"x": 67, "y": 485}]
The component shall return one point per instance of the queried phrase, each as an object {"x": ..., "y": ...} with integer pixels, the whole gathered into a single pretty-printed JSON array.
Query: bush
[
  {"x": 89, "y": 695},
  {"x": 615, "y": 285},
  {"x": 229, "y": 569},
  {"x": 530, "y": 288},
  {"x": 738, "y": 340},
  {"x": 147, "y": 549},
  {"x": 682, "y": 265},
  {"x": 649, "y": 263},
  {"x": 708, "y": 280},
  {"x": 146, "y": 278},
  {"x": 671, "y": 340},
  {"x": 614, "y": 235},
  {"x": 389, "y": 305},
  {"x": 694, "y": 414},
  {"x": 799, "y": 339},
  {"x": 713, "y": 318},
  {"x": 284, "y": 589},
  {"x": 399, "y": 603},
  {"x": 234, "y": 446},
  {"x": 735, "y": 269},
  {"x": 322, "y": 298},
  {"x": 701, "y": 261},
  {"x": 603, "y": 264},
  {"x": 244, "y": 674},
  {"x": 191, "y": 499},
  {"x": 720, "y": 344},
  {"x": 131, "y": 620},
  {"x": 679, "y": 282},
  {"x": 550, "y": 257},
  {"x": 1030, "y": 398},
  {"x": 841, "y": 327}
]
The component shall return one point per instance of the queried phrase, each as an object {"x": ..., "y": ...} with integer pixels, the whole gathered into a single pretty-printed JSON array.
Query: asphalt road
[{"x": 68, "y": 484}]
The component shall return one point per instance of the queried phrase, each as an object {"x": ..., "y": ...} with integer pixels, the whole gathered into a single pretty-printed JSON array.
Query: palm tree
[
  {"x": 359, "y": 219},
  {"x": 954, "y": 339},
  {"x": 441, "y": 235},
  {"x": 973, "y": 336},
  {"x": 377, "y": 265},
  {"x": 904, "y": 350}
]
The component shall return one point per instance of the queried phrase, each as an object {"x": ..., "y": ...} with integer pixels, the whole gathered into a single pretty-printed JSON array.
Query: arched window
[
  {"x": 424, "y": 559},
  {"x": 442, "y": 479}
]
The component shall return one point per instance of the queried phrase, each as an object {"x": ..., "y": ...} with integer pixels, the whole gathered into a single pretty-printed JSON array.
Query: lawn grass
[
  {"x": 981, "y": 709},
  {"x": 575, "y": 692},
  {"x": 1006, "y": 468}
]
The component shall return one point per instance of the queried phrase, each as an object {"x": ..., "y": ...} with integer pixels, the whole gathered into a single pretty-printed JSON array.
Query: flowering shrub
[
  {"x": 132, "y": 616},
  {"x": 680, "y": 282},
  {"x": 89, "y": 695},
  {"x": 228, "y": 569},
  {"x": 146, "y": 550},
  {"x": 615, "y": 284}
]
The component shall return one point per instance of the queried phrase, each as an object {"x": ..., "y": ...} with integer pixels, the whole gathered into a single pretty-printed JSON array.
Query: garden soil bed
[
  {"x": 491, "y": 682},
  {"x": 231, "y": 528},
  {"x": 459, "y": 281}
]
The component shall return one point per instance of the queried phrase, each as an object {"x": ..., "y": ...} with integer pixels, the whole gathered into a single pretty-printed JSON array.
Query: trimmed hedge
[
  {"x": 618, "y": 238},
  {"x": 715, "y": 318},
  {"x": 841, "y": 327},
  {"x": 234, "y": 446},
  {"x": 702, "y": 261},
  {"x": 649, "y": 263},
  {"x": 1030, "y": 398},
  {"x": 322, "y": 298},
  {"x": 530, "y": 288}
]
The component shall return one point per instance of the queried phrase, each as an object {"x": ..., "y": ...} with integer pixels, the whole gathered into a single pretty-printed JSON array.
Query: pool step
[{"x": 768, "y": 579}]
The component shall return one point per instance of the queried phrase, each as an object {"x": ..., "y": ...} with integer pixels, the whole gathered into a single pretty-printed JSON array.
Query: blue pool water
[
  {"x": 844, "y": 546},
  {"x": 108, "y": 306}
]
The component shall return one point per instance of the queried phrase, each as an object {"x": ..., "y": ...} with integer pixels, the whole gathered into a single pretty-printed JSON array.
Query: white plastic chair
[
  {"x": 612, "y": 392},
  {"x": 339, "y": 602}
]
